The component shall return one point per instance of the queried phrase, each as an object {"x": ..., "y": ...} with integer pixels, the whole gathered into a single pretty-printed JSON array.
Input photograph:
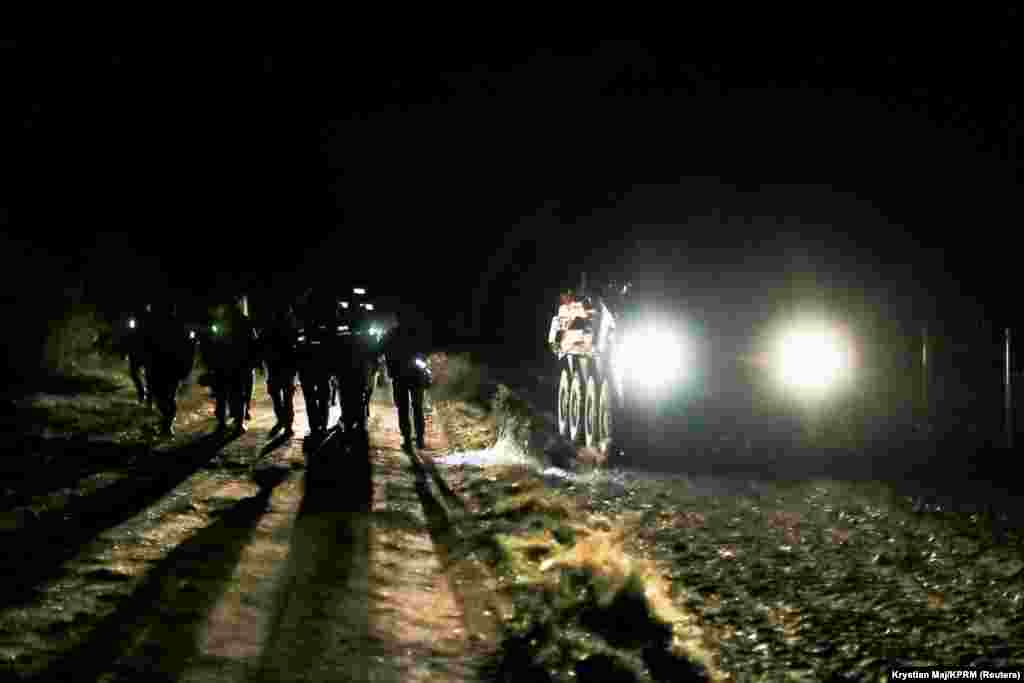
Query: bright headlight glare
[
  {"x": 812, "y": 359},
  {"x": 652, "y": 357}
]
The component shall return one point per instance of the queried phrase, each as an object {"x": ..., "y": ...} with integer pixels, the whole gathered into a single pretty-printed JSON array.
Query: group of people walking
[{"x": 330, "y": 350}]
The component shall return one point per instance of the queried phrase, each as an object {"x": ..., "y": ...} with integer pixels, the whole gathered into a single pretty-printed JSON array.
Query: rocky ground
[{"x": 213, "y": 559}]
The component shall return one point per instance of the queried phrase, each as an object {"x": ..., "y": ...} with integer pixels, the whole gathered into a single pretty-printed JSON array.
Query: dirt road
[{"x": 258, "y": 560}]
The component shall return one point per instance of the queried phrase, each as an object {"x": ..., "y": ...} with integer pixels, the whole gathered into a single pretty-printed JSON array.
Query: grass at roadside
[
  {"x": 804, "y": 581},
  {"x": 584, "y": 609}
]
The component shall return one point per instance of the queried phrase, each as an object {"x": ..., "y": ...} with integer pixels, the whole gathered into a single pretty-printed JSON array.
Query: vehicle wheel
[
  {"x": 606, "y": 430},
  {"x": 593, "y": 423},
  {"x": 564, "y": 388},
  {"x": 577, "y": 409}
]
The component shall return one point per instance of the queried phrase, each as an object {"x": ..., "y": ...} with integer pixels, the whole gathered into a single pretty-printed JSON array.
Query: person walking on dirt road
[
  {"x": 135, "y": 348},
  {"x": 230, "y": 352},
  {"x": 280, "y": 357},
  {"x": 171, "y": 353},
  {"x": 405, "y": 352},
  {"x": 315, "y": 343}
]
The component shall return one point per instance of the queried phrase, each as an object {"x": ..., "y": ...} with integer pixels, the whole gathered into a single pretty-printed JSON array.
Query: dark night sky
[{"x": 485, "y": 178}]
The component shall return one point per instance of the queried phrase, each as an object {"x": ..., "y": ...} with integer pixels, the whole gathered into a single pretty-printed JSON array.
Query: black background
[{"x": 475, "y": 180}]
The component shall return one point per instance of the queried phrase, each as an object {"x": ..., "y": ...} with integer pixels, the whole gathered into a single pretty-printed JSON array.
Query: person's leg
[
  {"x": 220, "y": 397},
  {"x": 288, "y": 401},
  {"x": 250, "y": 388},
  {"x": 135, "y": 370},
  {"x": 236, "y": 402},
  {"x": 402, "y": 401},
  {"x": 167, "y": 403},
  {"x": 306, "y": 377},
  {"x": 418, "y": 417}
]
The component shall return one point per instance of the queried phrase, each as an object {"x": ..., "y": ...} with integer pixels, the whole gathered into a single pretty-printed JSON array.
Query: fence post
[
  {"x": 1009, "y": 424},
  {"x": 925, "y": 400}
]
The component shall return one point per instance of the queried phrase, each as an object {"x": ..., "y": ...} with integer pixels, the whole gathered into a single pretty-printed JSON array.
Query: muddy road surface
[{"x": 210, "y": 558}]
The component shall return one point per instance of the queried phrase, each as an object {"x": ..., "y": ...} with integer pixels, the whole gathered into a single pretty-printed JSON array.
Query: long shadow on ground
[
  {"x": 320, "y": 619},
  {"x": 155, "y": 632},
  {"x": 34, "y": 555},
  {"x": 34, "y": 465},
  {"x": 63, "y": 385}
]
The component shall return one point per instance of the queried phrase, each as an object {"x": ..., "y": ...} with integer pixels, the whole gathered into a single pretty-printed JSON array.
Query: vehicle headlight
[
  {"x": 652, "y": 357},
  {"x": 812, "y": 359}
]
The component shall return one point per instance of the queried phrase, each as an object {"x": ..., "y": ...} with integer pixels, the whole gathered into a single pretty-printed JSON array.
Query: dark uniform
[
  {"x": 405, "y": 353},
  {"x": 356, "y": 358},
  {"x": 170, "y": 353},
  {"x": 230, "y": 353},
  {"x": 316, "y": 349},
  {"x": 280, "y": 356},
  {"x": 135, "y": 348}
]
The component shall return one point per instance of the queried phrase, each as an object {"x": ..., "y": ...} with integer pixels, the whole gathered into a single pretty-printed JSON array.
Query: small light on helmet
[
  {"x": 302, "y": 337},
  {"x": 215, "y": 328},
  {"x": 191, "y": 334},
  {"x": 368, "y": 307},
  {"x": 131, "y": 323},
  {"x": 344, "y": 304}
]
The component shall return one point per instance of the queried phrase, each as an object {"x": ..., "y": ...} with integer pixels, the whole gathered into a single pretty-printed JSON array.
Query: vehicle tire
[
  {"x": 577, "y": 409},
  {"x": 606, "y": 418},
  {"x": 564, "y": 388},
  {"x": 592, "y": 426}
]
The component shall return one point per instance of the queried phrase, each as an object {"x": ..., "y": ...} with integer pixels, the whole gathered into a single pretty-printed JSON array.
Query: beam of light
[
  {"x": 651, "y": 357},
  {"x": 812, "y": 358}
]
